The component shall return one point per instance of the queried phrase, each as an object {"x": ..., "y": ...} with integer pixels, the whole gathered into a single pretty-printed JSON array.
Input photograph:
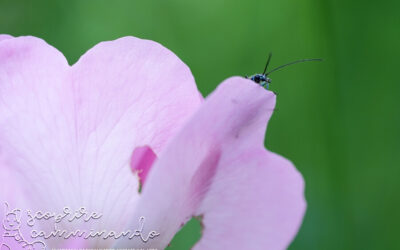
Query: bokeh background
[{"x": 338, "y": 121}]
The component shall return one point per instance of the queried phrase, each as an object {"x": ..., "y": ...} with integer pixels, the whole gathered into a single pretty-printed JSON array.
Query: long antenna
[
  {"x": 298, "y": 61},
  {"x": 268, "y": 60}
]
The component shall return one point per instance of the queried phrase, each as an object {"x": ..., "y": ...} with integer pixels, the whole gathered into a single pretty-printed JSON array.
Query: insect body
[
  {"x": 261, "y": 79},
  {"x": 264, "y": 80}
]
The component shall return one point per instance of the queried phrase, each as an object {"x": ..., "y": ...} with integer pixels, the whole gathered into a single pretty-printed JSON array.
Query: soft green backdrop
[{"x": 338, "y": 121}]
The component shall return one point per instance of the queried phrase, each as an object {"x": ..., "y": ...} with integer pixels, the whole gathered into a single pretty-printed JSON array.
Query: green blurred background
[{"x": 338, "y": 120}]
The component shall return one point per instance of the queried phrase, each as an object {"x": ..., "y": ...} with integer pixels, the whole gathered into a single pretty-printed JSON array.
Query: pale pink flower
[{"x": 82, "y": 135}]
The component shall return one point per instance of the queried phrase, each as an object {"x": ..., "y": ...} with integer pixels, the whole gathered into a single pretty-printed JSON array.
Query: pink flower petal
[
  {"x": 5, "y": 37},
  {"x": 217, "y": 168},
  {"x": 70, "y": 131},
  {"x": 255, "y": 203}
]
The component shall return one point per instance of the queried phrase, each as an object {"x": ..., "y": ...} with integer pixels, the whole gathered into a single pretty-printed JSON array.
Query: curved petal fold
[{"x": 217, "y": 168}]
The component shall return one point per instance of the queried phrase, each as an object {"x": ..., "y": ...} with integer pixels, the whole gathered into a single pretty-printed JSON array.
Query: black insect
[{"x": 263, "y": 78}]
